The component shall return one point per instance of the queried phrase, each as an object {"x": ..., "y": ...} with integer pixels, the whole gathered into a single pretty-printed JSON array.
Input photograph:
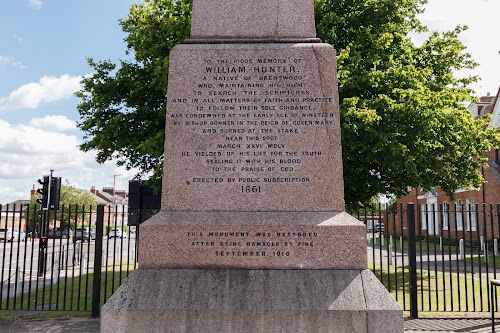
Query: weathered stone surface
[
  {"x": 253, "y": 19},
  {"x": 382, "y": 310},
  {"x": 266, "y": 240},
  {"x": 184, "y": 300},
  {"x": 252, "y": 237},
  {"x": 253, "y": 128}
]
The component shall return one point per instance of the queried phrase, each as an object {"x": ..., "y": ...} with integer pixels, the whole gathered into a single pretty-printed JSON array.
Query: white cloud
[
  {"x": 36, "y": 3},
  {"x": 19, "y": 39},
  {"x": 9, "y": 61},
  {"x": 48, "y": 90},
  {"x": 37, "y": 143},
  {"x": 29, "y": 151},
  {"x": 54, "y": 123}
]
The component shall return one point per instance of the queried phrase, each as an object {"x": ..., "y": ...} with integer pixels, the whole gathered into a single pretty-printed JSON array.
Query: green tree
[
  {"x": 403, "y": 117},
  {"x": 402, "y": 113},
  {"x": 130, "y": 98},
  {"x": 74, "y": 205}
]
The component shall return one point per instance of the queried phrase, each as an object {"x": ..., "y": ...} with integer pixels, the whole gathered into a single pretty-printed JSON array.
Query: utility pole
[{"x": 45, "y": 209}]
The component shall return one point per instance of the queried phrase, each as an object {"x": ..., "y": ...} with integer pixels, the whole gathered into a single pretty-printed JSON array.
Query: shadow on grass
[{"x": 436, "y": 291}]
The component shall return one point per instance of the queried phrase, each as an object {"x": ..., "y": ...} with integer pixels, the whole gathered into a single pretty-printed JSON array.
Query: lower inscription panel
[{"x": 188, "y": 240}]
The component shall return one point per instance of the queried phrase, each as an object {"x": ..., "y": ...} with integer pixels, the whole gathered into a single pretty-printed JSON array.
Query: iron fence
[
  {"x": 434, "y": 258},
  {"x": 59, "y": 273}
]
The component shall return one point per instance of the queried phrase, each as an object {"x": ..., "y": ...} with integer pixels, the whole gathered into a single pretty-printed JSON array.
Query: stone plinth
[
  {"x": 251, "y": 301},
  {"x": 252, "y": 240}
]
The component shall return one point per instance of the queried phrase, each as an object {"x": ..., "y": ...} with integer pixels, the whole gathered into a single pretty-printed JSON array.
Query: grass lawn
[
  {"x": 438, "y": 293},
  {"x": 69, "y": 297},
  {"x": 493, "y": 261}
]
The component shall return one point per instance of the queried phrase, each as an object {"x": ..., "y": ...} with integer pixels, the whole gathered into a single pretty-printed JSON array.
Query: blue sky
[
  {"x": 43, "y": 46},
  {"x": 43, "y": 50}
]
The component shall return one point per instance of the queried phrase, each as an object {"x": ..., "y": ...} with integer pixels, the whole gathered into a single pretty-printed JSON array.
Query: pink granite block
[
  {"x": 253, "y": 19},
  {"x": 250, "y": 241},
  {"x": 253, "y": 128},
  {"x": 249, "y": 301},
  {"x": 252, "y": 236}
]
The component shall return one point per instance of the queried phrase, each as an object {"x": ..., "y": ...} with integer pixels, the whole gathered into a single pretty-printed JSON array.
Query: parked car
[
  {"x": 117, "y": 233},
  {"x": 84, "y": 234},
  {"x": 375, "y": 226},
  {"x": 379, "y": 227},
  {"x": 59, "y": 233},
  {"x": 12, "y": 234},
  {"x": 33, "y": 234}
]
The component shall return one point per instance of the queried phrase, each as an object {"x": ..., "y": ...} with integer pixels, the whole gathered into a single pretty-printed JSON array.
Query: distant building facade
[
  {"x": 15, "y": 215},
  {"x": 115, "y": 203}
]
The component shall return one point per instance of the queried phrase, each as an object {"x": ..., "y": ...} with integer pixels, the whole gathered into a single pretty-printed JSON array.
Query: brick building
[
  {"x": 115, "y": 202},
  {"x": 15, "y": 215}
]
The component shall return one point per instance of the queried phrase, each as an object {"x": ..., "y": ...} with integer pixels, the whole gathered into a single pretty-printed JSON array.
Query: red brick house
[
  {"x": 14, "y": 214},
  {"x": 112, "y": 199}
]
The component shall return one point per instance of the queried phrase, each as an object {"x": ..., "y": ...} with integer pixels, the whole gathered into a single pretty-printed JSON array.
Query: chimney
[
  {"x": 33, "y": 191},
  {"x": 93, "y": 190},
  {"x": 488, "y": 94}
]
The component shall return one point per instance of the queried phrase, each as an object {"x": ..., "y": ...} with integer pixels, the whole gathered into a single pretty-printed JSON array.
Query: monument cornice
[{"x": 225, "y": 40}]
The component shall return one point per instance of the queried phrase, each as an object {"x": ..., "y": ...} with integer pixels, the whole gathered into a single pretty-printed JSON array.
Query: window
[
  {"x": 471, "y": 215},
  {"x": 432, "y": 227},
  {"x": 458, "y": 215},
  {"x": 369, "y": 225},
  {"x": 445, "y": 210},
  {"x": 423, "y": 214}
]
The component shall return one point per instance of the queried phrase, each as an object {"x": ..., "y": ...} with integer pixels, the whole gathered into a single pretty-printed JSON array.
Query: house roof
[
  {"x": 495, "y": 120},
  {"x": 100, "y": 201},
  {"x": 484, "y": 106},
  {"x": 15, "y": 205},
  {"x": 105, "y": 198}
]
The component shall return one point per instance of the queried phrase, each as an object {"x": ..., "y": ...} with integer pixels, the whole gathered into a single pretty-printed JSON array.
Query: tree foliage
[
  {"x": 402, "y": 105},
  {"x": 122, "y": 108},
  {"x": 404, "y": 122}
]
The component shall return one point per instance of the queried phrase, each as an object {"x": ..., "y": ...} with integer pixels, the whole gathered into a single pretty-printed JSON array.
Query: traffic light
[
  {"x": 44, "y": 191},
  {"x": 43, "y": 242},
  {"x": 55, "y": 193},
  {"x": 52, "y": 185}
]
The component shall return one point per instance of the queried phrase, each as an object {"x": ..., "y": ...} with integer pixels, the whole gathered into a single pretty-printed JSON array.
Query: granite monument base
[
  {"x": 253, "y": 240},
  {"x": 240, "y": 301}
]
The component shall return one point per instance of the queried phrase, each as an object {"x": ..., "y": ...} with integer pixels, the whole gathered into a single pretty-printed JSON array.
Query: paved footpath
[
  {"x": 51, "y": 325},
  {"x": 448, "y": 325},
  {"x": 88, "y": 325}
]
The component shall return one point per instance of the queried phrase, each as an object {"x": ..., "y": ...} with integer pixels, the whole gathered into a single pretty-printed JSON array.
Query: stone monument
[{"x": 252, "y": 236}]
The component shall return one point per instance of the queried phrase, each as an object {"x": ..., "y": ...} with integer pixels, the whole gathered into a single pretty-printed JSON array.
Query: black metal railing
[
  {"x": 77, "y": 271},
  {"x": 431, "y": 258},
  {"x": 434, "y": 258}
]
